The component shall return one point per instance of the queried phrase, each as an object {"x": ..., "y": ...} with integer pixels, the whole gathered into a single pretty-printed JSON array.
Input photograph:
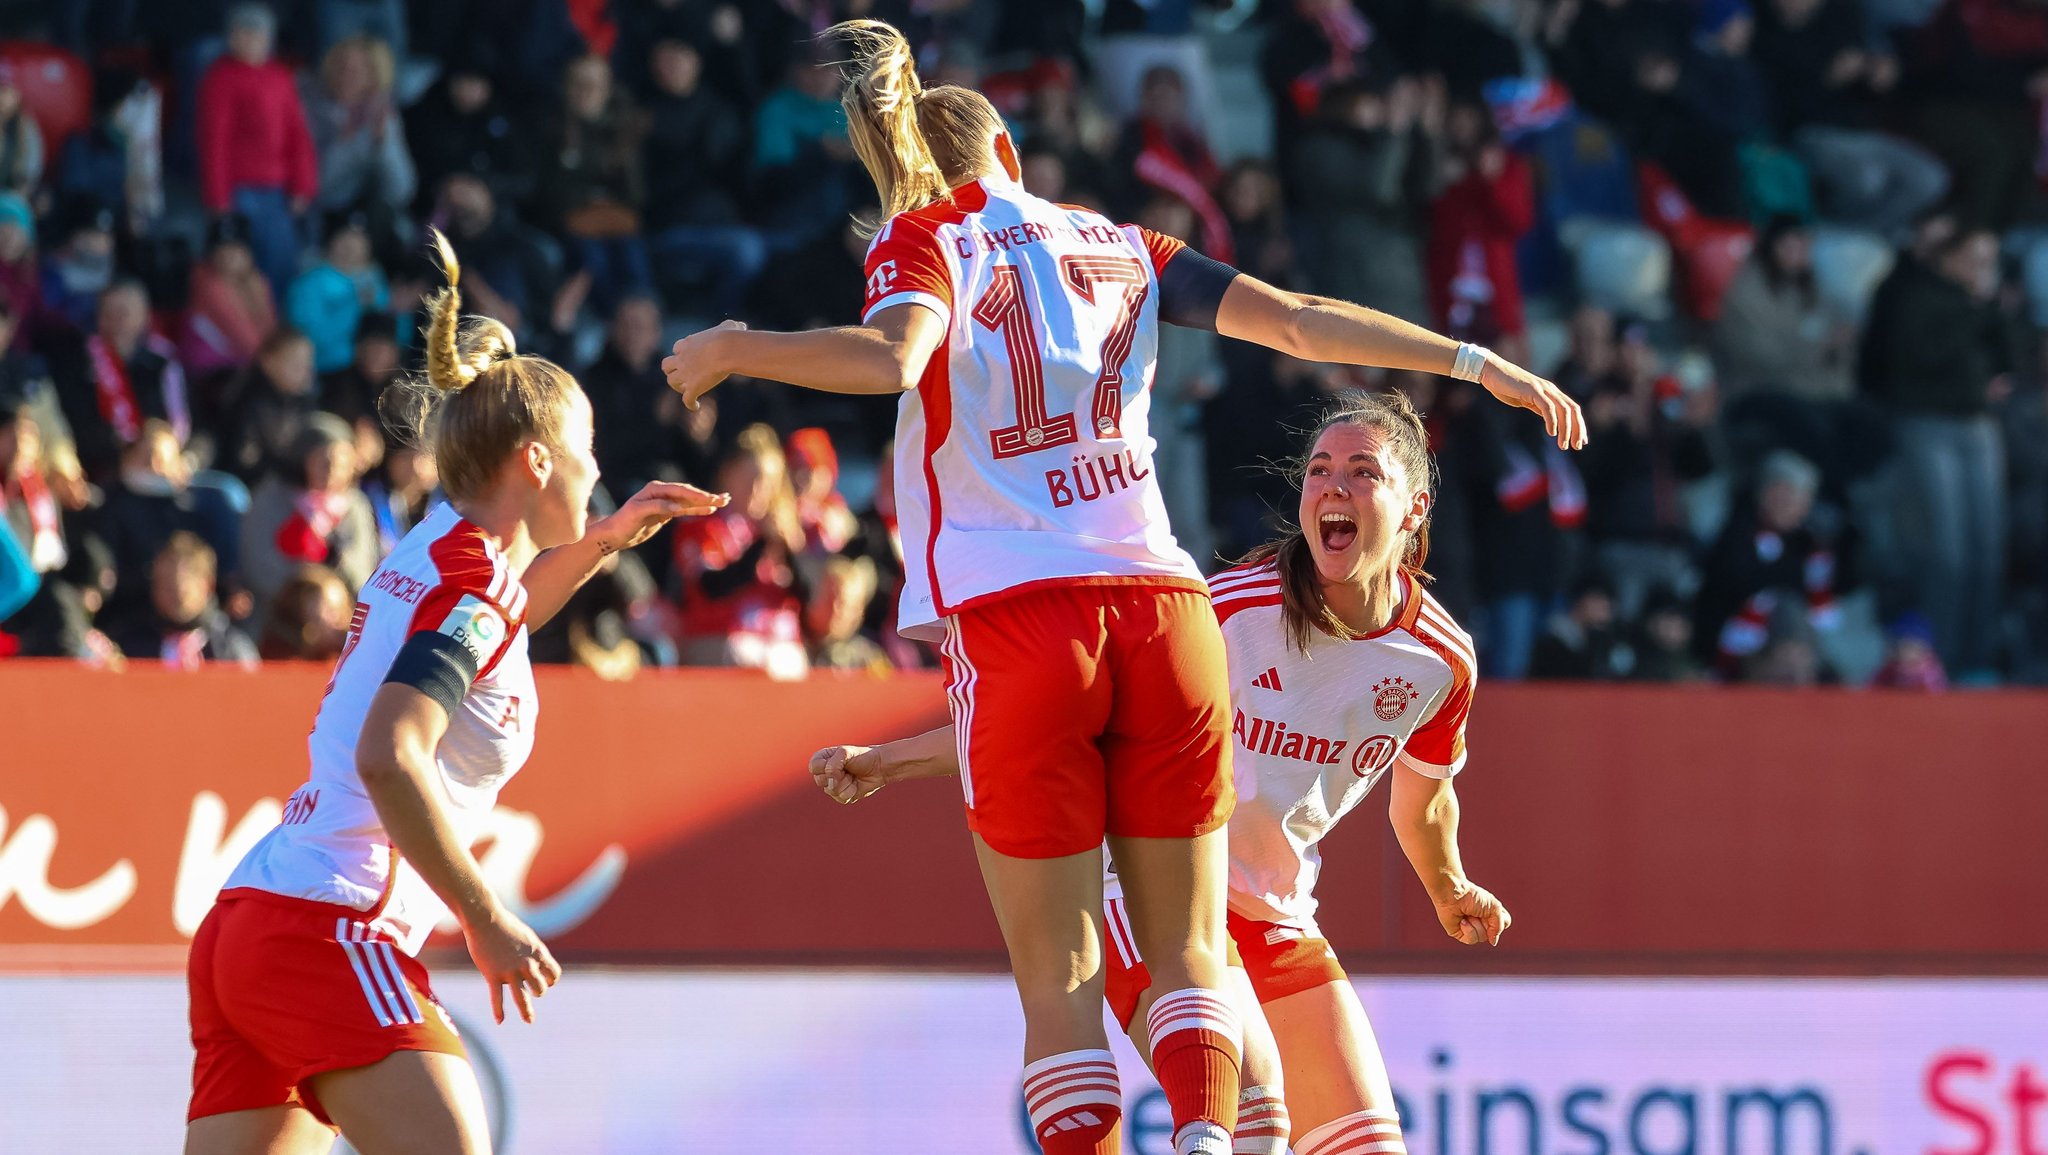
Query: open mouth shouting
[{"x": 1337, "y": 531}]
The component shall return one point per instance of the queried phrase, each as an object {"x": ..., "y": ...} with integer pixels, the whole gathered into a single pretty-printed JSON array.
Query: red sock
[
  {"x": 1075, "y": 1102},
  {"x": 1261, "y": 1123},
  {"x": 1359, "y": 1133},
  {"x": 1196, "y": 1040}
]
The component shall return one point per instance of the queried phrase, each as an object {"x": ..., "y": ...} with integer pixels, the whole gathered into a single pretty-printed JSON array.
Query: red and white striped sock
[
  {"x": 1075, "y": 1102},
  {"x": 1359, "y": 1133},
  {"x": 1261, "y": 1123},
  {"x": 1196, "y": 1043}
]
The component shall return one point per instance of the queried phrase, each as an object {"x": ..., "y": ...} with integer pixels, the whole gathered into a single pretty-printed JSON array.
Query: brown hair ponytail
[
  {"x": 479, "y": 398},
  {"x": 917, "y": 143},
  {"x": 1394, "y": 417}
]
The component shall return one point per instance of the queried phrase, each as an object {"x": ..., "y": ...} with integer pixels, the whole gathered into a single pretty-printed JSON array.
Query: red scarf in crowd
[
  {"x": 116, "y": 395},
  {"x": 304, "y": 535},
  {"x": 46, "y": 528},
  {"x": 1189, "y": 175}
]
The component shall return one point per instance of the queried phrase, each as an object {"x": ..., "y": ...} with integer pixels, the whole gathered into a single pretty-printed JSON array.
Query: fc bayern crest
[{"x": 1390, "y": 697}]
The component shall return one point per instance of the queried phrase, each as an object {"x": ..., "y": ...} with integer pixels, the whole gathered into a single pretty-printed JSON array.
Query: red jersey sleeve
[
  {"x": 1437, "y": 748},
  {"x": 1158, "y": 246},
  {"x": 905, "y": 266},
  {"x": 478, "y": 603}
]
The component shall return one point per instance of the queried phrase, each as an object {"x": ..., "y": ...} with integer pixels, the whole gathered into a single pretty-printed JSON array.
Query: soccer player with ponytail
[
  {"x": 309, "y": 1012},
  {"x": 1085, "y": 670},
  {"x": 1343, "y": 670}
]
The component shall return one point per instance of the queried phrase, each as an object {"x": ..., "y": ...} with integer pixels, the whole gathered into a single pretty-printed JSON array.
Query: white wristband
[{"x": 1470, "y": 361}]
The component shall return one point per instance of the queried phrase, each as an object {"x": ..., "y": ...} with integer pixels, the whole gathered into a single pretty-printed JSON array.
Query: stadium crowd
[{"x": 1792, "y": 259}]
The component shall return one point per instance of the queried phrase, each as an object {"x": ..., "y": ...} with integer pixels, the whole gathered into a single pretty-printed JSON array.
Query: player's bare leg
[
  {"x": 1050, "y": 910},
  {"x": 1337, "y": 1087},
  {"x": 1173, "y": 891},
  {"x": 286, "y": 1130},
  {"x": 408, "y": 1103},
  {"x": 1262, "y": 1119}
]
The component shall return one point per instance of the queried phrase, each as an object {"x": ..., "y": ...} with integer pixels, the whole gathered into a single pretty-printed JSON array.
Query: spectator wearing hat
[
  {"x": 821, "y": 511},
  {"x": 21, "y": 142},
  {"x": 128, "y": 376},
  {"x": 183, "y": 626},
  {"x": 229, "y": 312},
  {"x": 1910, "y": 660},
  {"x": 462, "y": 125},
  {"x": 80, "y": 268},
  {"x": 357, "y": 133},
  {"x": 328, "y": 300},
  {"x": 256, "y": 155},
  {"x": 310, "y": 512},
  {"x": 21, "y": 280}
]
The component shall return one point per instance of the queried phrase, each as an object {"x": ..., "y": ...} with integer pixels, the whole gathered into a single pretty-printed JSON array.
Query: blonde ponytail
[
  {"x": 458, "y": 351},
  {"x": 916, "y": 143}
]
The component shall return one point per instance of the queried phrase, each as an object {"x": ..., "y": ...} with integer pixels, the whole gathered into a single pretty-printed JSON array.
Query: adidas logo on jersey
[{"x": 1270, "y": 680}]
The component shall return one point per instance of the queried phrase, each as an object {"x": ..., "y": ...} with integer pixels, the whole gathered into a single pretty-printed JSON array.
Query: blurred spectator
[
  {"x": 1363, "y": 173},
  {"x": 79, "y": 270},
  {"x": 1935, "y": 357},
  {"x": 1648, "y": 438},
  {"x": 149, "y": 500},
  {"x": 1585, "y": 642},
  {"x": 696, "y": 168},
  {"x": 1979, "y": 69},
  {"x": 311, "y": 513},
  {"x": 1829, "y": 86},
  {"x": 1258, "y": 222},
  {"x": 1772, "y": 557},
  {"x": 21, "y": 142},
  {"x": 1062, "y": 124},
  {"x": 256, "y": 155},
  {"x": 1185, "y": 378},
  {"x": 821, "y": 511},
  {"x": 21, "y": 279},
  {"x": 1315, "y": 45},
  {"x": 118, "y": 159},
  {"x": 505, "y": 274},
  {"x": 1527, "y": 509},
  {"x": 271, "y": 405},
  {"x": 1249, "y": 433},
  {"x": 401, "y": 492},
  {"x": 593, "y": 629},
  {"x": 25, "y": 379},
  {"x": 54, "y": 618},
  {"x": 737, "y": 566},
  {"x": 229, "y": 313},
  {"x": 803, "y": 161},
  {"x": 593, "y": 188},
  {"x": 1487, "y": 204},
  {"x": 18, "y": 584},
  {"x": 1664, "y": 646},
  {"x": 357, "y": 135},
  {"x": 129, "y": 376},
  {"x": 1162, "y": 151},
  {"x": 184, "y": 626},
  {"x": 1790, "y": 656},
  {"x": 1730, "y": 87},
  {"x": 309, "y": 619},
  {"x": 832, "y": 618},
  {"x": 327, "y": 302},
  {"x": 1910, "y": 662},
  {"x": 463, "y": 126},
  {"x": 351, "y": 393},
  {"x": 636, "y": 413},
  {"x": 815, "y": 286}
]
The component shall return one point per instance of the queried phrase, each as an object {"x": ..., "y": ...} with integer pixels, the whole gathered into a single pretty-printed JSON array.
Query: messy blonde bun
[{"x": 479, "y": 399}]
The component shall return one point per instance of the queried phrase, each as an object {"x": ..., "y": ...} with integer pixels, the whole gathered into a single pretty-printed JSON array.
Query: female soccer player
[
  {"x": 1085, "y": 670},
  {"x": 1341, "y": 668},
  {"x": 309, "y": 1012}
]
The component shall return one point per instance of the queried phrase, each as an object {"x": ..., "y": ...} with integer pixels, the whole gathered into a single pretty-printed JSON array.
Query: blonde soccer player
[
  {"x": 1084, "y": 668},
  {"x": 309, "y": 1012},
  {"x": 1343, "y": 670}
]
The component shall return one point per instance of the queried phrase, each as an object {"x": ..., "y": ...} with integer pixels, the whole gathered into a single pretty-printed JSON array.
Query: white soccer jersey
[
  {"x": 445, "y": 576},
  {"x": 1023, "y": 456},
  {"x": 1313, "y": 732}
]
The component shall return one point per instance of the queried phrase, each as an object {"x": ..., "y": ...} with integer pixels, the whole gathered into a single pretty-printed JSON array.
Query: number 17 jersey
[{"x": 1023, "y": 457}]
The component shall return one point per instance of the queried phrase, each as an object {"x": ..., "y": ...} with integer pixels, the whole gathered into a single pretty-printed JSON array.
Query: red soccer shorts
[
  {"x": 286, "y": 988},
  {"x": 1280, "y": 960},
  {"x": 1085, "y": 709}
]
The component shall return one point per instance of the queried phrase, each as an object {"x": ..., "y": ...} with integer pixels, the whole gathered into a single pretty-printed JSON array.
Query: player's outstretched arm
[
  {"x": 395, "y": 760},
  {"x": 1323, "y": 329},
  {"x": 850, "y": 773},
  {"x": 886, "y": 355},
  {"x": 1424, "y": 813},
  {"x": 555, "y": 576}
]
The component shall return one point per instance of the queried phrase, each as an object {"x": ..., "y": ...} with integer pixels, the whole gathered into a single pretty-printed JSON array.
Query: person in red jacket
[
  {"x": 256, "y": 156},
  {"x": 1485, "y": 207}
]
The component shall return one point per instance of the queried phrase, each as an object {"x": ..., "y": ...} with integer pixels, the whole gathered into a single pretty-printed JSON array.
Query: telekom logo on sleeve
[{"x": 882, "y": 279}]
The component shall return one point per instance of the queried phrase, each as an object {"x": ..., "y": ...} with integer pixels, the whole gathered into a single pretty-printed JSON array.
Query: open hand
[
  {"x": 510, "y": 955},
  {"x": 1517, "y": 386},
  {"x": 847, "y": 774},
  {"x": 657, "y": 503},
  {"x": 689, "y": 368},
  {"x": 1474, "y": 917}
]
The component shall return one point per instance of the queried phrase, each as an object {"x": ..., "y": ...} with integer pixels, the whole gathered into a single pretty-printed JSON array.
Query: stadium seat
[
  {"x": 56, "y": 89},
  {"x": 1620, "y": 266},
  {"x": 1848, "y": 265}
]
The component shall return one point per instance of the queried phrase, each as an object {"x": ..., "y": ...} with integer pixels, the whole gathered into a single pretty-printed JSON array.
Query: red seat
[
  {"x": 1709, "y": 250},
  {"x": 56, "y": 89}
]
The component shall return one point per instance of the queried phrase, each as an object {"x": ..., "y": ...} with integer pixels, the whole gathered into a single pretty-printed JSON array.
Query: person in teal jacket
[{"x": 327, "y": 301}]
